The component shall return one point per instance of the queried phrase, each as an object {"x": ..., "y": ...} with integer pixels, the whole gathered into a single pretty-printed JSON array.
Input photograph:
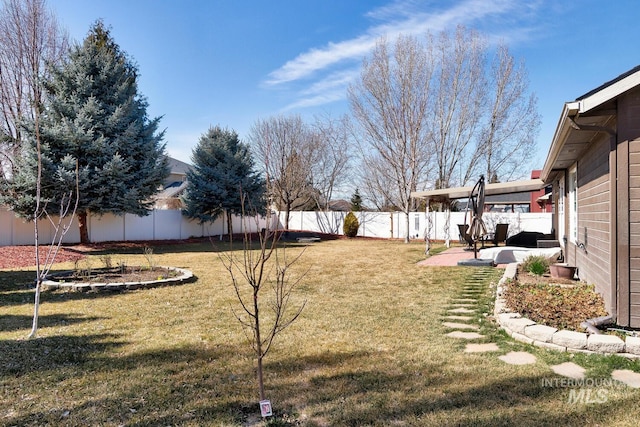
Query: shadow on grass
[
  {"x": 49, "y": 354},
  {"x": 16, "y": 322},
  {"x": 215, "y": 385},
  {"x": 369, "y": 396}
]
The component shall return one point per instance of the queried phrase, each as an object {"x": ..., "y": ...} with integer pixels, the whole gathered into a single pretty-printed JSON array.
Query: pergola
[{"x": 445, "y": 195}]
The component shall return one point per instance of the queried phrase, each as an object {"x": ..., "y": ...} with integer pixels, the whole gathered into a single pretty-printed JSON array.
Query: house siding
[
  {"x": 634, "y": 232},
  {"x": 594, "y": 228},
  {"x": 628, "y": 242}
]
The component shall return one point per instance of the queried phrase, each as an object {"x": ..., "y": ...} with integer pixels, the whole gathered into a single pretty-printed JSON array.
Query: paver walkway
[{"x": 461, "y": 316}]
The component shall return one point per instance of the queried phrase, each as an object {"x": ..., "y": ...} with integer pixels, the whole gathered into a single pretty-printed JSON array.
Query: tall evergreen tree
[
  {"x": 96, "y": 117},
  {"x": 356, "y": 201},
  {"x": 222, "y": 179}
]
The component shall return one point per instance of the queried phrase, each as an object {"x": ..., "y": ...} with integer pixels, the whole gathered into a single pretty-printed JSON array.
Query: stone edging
[
  {"x": 114, "y": 286},
  {"x": 527, "y": 331}
]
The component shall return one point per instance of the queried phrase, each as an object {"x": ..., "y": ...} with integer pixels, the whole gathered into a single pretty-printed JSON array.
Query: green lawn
[{"x": 368, "y": 349}]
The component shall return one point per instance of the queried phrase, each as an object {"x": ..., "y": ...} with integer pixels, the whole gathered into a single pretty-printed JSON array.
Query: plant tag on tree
[{"x": 265, "y": 408}]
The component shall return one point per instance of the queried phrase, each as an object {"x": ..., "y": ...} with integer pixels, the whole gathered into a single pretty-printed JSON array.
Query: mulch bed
[
  {"x": 25, "y": 256},
  {"x": 560, "y": 303}
]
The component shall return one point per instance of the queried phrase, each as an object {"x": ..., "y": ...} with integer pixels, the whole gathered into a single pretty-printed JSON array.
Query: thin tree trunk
[
  {"x": 36, "y": 303},
  {"x": 406, "y": 237},
  {"x": 258, "y": 343},
  {"x": 229, "y": 225},
  {"x": 84, "y": 229}
]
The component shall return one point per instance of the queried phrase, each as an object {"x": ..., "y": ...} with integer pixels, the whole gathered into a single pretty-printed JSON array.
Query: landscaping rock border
[
  {"x": 527, "y": 331},
  {"x": 185, "y": 275}
]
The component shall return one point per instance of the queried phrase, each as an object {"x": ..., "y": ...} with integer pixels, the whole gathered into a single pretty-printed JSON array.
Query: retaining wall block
[
  {"x": 518, "y": 324},
  {"x": 540, "y": 332},
  {"x": 632, "y": 344},
  {"x": 605, "y": 344},
  {"x": 571, "y": 339}
]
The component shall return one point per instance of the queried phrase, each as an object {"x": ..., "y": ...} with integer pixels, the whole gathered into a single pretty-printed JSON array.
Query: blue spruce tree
[
  {"x": 95, "y": 117},
  {"x": 223, "y": 179}
]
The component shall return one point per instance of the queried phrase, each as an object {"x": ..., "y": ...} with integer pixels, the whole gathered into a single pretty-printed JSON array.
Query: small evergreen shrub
[
  {"x": 351, "y": 225},
  {"x": 536, "y": 264}
]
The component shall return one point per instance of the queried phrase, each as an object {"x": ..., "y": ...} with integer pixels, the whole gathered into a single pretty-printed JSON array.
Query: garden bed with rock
[
  {"x": 116, "y": 278},
  {"x": 521, "y": 298}
]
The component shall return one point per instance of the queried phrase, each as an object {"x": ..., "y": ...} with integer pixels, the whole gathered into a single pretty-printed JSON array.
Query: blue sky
[{"x": 231, "y": 62}]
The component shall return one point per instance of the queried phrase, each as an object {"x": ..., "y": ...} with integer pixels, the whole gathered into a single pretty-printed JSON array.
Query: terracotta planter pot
[{"x": 562, "y": 271}]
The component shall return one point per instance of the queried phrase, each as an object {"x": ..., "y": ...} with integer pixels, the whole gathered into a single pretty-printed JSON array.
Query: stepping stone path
[
  {"x": 465, "y": 335},
  {"x": 481, "y": 348},
  {"x": 569, "y": 370},
  {"x": 460, "y": 326},
  {"x": 462, "y": 310},
  {"x": 518, "y": 358}
]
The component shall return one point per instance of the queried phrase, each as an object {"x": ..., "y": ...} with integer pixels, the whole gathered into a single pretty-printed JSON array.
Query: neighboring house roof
[
  {"x": 340, "y": 205},
  {"x": 177, "y": 167},
  {"x": 582, "y": 119}
]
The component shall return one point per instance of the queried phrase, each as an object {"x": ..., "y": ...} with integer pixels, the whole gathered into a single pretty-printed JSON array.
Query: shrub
[
  {"x": 351, "y": 225},
  {"x": 536, "y": 264}
]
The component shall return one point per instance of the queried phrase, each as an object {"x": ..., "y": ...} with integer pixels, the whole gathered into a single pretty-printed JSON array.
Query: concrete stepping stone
[
  {"x": 462, "y": 304},
  {"x": 569, "y": 370},
  {"x": 518, "y": 358},
  {"x": 453, "y": 325},
  {"x": 465, "y": 335},
  {"x": 627, "y": 376},
  {"x": 464, "y": 300},
  {"x": 461, "y": 310},
  {"x": 459, "y": 318},
  {"x": 481, "y": 348}
]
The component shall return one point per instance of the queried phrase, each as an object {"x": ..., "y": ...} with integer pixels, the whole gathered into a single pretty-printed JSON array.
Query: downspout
[{"x": 613, "y": 203}]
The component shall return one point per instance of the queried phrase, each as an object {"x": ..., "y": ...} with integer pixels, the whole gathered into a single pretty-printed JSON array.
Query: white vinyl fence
[
  {"x": 393, "y": 224},
  {"x": 170, "y": 224},
  {"x": 158, "y": 225}
]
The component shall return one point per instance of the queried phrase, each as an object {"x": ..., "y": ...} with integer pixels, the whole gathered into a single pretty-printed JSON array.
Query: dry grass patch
[{"x": 369, "y": 349}]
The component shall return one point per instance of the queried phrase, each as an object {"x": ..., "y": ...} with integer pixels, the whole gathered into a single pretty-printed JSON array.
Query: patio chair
[
  {"x": 500, "y": 234},
  {"x": 464, "y": 236}
]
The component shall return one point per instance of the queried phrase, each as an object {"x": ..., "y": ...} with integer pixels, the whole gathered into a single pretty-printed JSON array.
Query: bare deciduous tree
[
  {"x": 266, "y": 266},
  {"x": 439, "y": 112},
  {"x": 507, "y": 138},
  {"x": 30, "y": 38},
  {"x": 459, "y": 95},
  {"x": 391, "y": 104},
  {"x": 330, "y": 169},
  {"x": 286, "y": 150}
]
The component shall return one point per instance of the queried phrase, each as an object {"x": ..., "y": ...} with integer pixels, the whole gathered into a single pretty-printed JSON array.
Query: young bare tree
[
  {"x": 390, "y": 102},
  {"x": 30, "y": 38},
  {"x": 286, "y": 151},
  {"x": 252, "y": 273}
]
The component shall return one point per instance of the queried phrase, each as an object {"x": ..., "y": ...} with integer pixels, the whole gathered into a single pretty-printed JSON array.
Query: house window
[{"x": 573, "y": 204}]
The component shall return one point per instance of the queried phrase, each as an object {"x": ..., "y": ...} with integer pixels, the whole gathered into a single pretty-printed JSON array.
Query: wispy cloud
[{"x": 409, "y": 17}]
